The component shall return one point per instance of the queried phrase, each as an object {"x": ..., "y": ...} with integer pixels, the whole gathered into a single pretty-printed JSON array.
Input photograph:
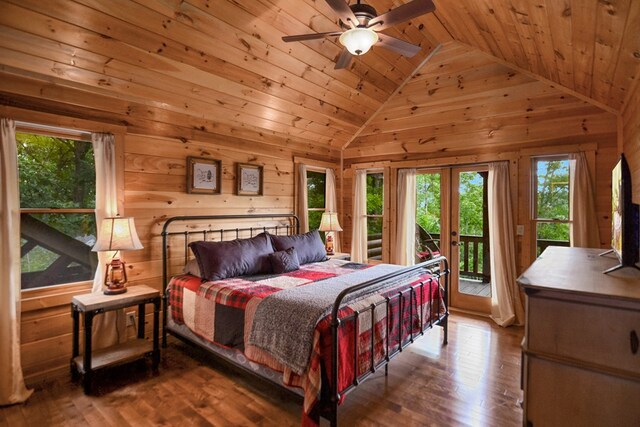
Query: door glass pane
[
  {"x": 374, "y": 238},
  {"x": 473, "y": 238},
  {"x": 428, "y": 209}
]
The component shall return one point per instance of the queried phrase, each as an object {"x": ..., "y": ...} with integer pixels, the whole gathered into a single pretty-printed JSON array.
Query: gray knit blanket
[{"x": 284, "y": 322}]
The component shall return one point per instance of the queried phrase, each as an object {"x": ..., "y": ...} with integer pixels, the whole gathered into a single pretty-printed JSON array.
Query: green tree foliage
[
  {"x": 58, "y": 173},
  {"x": 428, "y": 202},
  {"x": 553, "y": 198},
  {"x": 316, "y": 190},
  {"x": 375, "y": 202}
]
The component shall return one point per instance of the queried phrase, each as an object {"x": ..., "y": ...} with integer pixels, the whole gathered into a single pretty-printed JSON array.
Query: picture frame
[
  {"x": 203, "y": 175},
  {"x": 249, "y": 179}
]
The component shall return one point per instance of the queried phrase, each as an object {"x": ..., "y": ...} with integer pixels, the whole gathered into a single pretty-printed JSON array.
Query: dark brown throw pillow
[
  {"x": 309, "y": 246},
  {"x": 284, "y": 261},
  {"x": 240, "y": 257}
]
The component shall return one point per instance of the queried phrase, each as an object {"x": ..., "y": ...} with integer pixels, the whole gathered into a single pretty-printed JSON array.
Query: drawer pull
[{"x": 634, "y": 342}]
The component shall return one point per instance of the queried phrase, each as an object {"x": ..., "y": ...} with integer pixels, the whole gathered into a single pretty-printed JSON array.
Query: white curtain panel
[
  {"x": 303, "y": 205},
  {"x": 359, "y": 233},
  {"x": 12, "y": 387},
  {"x": 506, "y": 299},
  {"x": 331, "y": 204},
  {"x": 108, "y": 328},
  {"x": 584, "y": 226},
  {"x": 406, "y": 221}
]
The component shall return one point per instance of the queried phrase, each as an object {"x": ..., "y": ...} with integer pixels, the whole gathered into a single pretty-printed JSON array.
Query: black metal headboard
[{"x": 289, "y": 225}]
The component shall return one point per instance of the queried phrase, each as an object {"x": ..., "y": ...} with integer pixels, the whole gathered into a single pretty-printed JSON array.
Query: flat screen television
[{"x": 625, "y": 218}]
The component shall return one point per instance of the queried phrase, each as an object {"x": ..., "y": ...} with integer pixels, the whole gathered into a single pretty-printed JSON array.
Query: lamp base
[{"x": 115, "y": 290}]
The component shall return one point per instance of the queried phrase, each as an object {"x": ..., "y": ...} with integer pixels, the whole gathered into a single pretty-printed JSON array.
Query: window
[
  {"x": 316, "y": 191},
  {"x": 57, "y": 201},
  {"x": 375, "y": 207},
  {"x": 551, "y": 202}
]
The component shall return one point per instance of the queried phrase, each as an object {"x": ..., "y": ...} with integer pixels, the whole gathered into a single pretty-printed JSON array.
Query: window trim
[
  {"x": 54, "y": 132},
  {"x": 323, "y": 171},
  {"x": 60, "y": 295},
  {"x": 534, "y": 200},
  {"x": 384, "y": 218}
]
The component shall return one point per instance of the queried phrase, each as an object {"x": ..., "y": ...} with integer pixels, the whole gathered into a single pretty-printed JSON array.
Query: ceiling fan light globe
[{"x": 358, "y": 41}]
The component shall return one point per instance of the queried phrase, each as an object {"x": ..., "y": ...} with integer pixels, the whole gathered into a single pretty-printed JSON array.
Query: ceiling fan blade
[
  {"x": 302, "y": 37},
  {"x": 397, "y": 45},
  {"x": 401, "y": 13},
  {"x": 343, "y": 60},
  {"x": 344, "y": 12}
]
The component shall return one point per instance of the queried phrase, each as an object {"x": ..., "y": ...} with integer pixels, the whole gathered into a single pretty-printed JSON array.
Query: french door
[{"x": 452, "y": 219}]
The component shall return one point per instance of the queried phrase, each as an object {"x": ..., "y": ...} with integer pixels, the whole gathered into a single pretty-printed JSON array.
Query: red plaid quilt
[{"x": 222, "y": 312}]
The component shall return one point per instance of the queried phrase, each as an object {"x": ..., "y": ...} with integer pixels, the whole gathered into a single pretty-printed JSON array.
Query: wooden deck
[
  {"x": 475, "y": 287},
  {"x": 474, "y": 380}
]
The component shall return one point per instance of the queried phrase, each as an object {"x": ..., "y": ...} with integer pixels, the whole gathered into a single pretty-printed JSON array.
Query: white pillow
[{"x": 192, "y": 268}]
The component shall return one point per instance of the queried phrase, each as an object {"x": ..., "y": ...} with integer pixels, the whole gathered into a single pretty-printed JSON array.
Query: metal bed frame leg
[
  {"x": 446, "y": 330},
  {"x": 333, "y": 417},
  {"x": 386, "y": 370}
]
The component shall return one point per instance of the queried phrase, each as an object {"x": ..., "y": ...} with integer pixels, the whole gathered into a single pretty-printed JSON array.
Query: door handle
[{"x": 455, "y": 243}]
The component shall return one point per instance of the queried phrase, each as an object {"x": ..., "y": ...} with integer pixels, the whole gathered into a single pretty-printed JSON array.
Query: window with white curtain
[
  {"x": 57, "y": 202},
  {"x": 375, "y": 214},
  {"x": 551, "y": 221},
  {"x": 316, "y": 193}
]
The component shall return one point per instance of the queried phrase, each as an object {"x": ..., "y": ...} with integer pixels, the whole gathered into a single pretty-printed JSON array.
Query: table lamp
[
  {"x": 116, "y": 234},
  {"x": 329, "y": 223}
]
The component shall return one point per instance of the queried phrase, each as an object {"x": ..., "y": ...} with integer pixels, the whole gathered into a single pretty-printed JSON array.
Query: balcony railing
[{"x": 474, "y": 251}]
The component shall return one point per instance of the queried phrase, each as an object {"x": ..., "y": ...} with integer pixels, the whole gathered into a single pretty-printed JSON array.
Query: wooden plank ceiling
[
  {"x": 186, "y": 69},
  {"x": 463, "y": 102},
  {"x": 590, "y": 46}
]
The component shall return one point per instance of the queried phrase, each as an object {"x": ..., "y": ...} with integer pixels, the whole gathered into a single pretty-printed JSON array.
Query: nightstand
[
  {"x": 92, "y": 304},
  {"x": 340, "y": 255}
]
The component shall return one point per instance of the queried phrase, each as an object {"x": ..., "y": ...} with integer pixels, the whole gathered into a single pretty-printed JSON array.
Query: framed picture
[
  {"x": 203, "y": 175},
  {"x": 249, "y": 179}
]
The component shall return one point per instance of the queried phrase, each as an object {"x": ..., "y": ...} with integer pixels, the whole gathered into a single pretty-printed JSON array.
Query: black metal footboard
[{"x": 439, "y": 268}]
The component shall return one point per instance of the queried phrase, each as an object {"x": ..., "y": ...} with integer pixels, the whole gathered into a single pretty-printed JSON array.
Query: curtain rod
[{"x": 37, "y": 126}]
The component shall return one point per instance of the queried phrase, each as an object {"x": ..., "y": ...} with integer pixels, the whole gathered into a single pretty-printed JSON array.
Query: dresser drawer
[
  {"x": 589, "y": 333},
  {"x": 561, "y": 395}
]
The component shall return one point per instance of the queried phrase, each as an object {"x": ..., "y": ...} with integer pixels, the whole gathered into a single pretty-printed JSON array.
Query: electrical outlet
[{"x": 131, "y": 318}]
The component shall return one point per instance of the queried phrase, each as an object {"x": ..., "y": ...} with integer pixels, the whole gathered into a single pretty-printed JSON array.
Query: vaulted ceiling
[{"x": 188, "y": 68}]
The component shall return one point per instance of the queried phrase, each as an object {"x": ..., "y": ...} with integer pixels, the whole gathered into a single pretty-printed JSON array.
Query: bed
[{"x": 315, "y": 326}]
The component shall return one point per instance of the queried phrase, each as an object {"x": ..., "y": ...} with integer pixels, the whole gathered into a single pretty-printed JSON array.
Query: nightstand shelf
[
  {"x": 117, "y": 354},
  {"x": 92, "y": 304}
]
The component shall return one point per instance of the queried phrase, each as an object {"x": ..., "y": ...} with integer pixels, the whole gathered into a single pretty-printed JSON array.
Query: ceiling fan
[{"x": 360, "y": 23}]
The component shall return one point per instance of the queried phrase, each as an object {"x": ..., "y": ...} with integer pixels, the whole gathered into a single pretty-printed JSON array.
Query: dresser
[{"x": 581, "y": 361}]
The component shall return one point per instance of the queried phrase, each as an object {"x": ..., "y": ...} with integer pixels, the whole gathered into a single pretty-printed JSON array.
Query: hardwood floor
[{"x": 474, "y": 380}]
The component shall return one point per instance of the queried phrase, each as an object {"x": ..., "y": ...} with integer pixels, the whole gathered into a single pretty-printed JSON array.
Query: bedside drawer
[{"x": 590, "y": 333}]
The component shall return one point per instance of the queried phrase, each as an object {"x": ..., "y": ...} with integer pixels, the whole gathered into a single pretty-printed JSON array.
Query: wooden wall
[
  {"x": 631, "y": 139},
  {"x": 466, "y": 107},
  {"x": 154, "y": 189}
]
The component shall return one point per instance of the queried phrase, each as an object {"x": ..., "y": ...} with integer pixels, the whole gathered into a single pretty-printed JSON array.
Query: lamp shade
[
  {"x": 329, "y": 222},
  {"x": 117, "y": 234},
  {"x": 358, "y": 41}
]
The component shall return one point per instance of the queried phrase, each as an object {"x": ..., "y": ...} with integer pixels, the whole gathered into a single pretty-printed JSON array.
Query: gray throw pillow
[
  {"x": 284, "y": 261},
  {"x": 309, "y": 246}
]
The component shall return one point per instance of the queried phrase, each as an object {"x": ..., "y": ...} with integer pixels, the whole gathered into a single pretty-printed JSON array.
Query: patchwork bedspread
[{"x": 222, "y": 312}]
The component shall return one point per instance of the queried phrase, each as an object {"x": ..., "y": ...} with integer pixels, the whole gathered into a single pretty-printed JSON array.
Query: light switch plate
[{"x": 520, "y": 230}]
